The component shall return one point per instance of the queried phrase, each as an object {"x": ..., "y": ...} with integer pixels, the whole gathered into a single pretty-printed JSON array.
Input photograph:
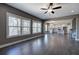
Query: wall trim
[
  {"x": 76, "y": 28},
  {"x": 8, "y": 44}
]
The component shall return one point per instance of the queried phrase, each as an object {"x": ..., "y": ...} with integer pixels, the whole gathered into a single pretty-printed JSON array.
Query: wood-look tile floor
[{"x": 49, "y": 44}]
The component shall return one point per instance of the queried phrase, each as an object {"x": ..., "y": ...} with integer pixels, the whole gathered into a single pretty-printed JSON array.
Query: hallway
[{"x": 49, "y": 44}]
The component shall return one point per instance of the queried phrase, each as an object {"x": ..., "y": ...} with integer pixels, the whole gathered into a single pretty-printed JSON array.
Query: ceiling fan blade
[
  {"x": 52, "y": 12},
  {"x": 44, "y": 9},
  {"x": 45, "y": 12},
  {"x": 51, "y": 4},
  {"x": 57, "y": 7}
]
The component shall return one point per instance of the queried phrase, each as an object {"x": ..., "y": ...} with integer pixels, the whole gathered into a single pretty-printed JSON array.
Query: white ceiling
[{"x": 34, "y": 9}]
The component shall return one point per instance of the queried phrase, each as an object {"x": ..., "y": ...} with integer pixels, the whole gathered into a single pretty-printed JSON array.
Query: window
[
  {"x": 13, "y": 25},
  {"x": 17, "y": 25},
  {"x": 36, "y": 27},
  {"x": 45, "y": 27},
  {"x": 25, "y": 26},
  {"x": 39, "y": 27}
]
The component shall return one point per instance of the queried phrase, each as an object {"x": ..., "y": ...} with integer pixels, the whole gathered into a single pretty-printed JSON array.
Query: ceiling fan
[{"x": 50, "y": 7}]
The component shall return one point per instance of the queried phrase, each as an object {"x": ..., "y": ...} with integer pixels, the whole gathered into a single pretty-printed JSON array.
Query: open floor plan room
[{"x": 39, "y": 28}]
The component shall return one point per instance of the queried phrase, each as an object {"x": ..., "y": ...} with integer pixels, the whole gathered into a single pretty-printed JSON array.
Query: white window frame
[
  {"x": 36, "y": 27},
  {"x": 39, "y": 27},
  {"x": 26, "y": 26},
  {"x": 7, "y": 24}
]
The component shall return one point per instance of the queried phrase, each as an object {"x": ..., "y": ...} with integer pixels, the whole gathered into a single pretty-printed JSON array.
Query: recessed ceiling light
[{"x": 72, "y": 11}]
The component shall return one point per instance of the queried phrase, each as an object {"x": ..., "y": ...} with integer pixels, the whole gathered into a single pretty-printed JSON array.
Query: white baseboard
[{"x": 8, "y": 44}]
